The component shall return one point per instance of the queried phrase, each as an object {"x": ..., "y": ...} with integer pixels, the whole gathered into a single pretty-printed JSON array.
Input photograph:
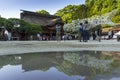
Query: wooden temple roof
[{"x": 40, "y": 19}]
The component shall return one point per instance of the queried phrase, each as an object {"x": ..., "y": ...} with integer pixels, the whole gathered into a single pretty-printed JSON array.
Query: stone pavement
[{"x": 20, "y": 47}]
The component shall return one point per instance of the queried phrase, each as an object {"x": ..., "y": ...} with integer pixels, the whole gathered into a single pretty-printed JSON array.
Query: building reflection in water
[{"x": 82, "y": 65}]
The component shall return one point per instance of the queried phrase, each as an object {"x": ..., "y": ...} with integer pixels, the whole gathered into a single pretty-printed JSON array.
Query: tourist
[
  {"x": 109, "y": 34},
  {"x": 99, "y": 33},
  {"x": 86, "y": 31},
  {"x": 38, "y": 36},
  {"x": 6, "y": 34},
  {"x": 80, "y": 32},
  {"x": 112, "y": 34},
  {"x": 9, "y": 36},
  {"x": 94, "y": 35},
  {"x": 58, "y": 32}
]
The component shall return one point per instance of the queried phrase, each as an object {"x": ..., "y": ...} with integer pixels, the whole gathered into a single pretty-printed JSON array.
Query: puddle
[{"x": 79, "y": 65}]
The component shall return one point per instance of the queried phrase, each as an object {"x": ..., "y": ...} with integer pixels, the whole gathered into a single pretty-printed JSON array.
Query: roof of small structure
[{"x": 40, "y": 19}]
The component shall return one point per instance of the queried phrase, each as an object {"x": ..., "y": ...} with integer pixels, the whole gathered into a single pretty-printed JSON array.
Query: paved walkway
[{"x": 18, "y": 47}]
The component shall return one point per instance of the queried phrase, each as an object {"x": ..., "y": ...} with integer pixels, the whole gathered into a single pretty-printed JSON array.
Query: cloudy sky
[{"x": 11, "y": 8}]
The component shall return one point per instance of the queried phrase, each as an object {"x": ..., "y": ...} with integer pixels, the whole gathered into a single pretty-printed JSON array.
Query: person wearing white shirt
[{"x": 6, "y": 34}]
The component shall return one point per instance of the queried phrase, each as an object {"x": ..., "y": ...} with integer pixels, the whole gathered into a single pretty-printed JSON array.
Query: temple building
[
  {"x": 116, "y": 28},
  {"x": 48, "y": 22}
]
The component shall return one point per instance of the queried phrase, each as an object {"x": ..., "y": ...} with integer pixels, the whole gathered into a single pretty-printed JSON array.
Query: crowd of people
[
  {"x": 96, "y": 34},
  {"x": 84, "y": 33}
]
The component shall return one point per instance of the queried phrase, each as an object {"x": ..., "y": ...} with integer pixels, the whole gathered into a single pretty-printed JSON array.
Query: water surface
[{"x": 82, "y": 65}]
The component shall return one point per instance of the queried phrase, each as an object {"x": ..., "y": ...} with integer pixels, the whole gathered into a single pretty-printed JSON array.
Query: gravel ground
[{"x": 19, "y": 47}]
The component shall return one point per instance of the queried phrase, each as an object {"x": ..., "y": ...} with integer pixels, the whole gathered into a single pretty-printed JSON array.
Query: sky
[{"x": 11, "y": 8}]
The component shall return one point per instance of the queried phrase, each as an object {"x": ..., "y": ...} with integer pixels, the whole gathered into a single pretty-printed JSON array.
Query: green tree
[
  {"x": 12, "y": 23},
  {"x": 2, "y": 21},
  {"x": 18, "y": 26},
  {"x": 82, "y": 12},
  {"x": 29, "y": 28},
  {"x": 8, "y": 25},
  {"x": 99, "y": 7},
  {"x": 66, "y": 13},
  {"x": 72, "y": 12},
  {"x": 116, "y": 19},
  {"x": 43, "y": 12}
]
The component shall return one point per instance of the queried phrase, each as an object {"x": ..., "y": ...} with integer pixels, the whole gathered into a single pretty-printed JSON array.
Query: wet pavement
[{"x": 18, "y": 47}]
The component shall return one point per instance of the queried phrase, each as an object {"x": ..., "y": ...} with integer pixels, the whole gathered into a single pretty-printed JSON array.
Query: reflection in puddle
[{"x": 83, "y": 65}]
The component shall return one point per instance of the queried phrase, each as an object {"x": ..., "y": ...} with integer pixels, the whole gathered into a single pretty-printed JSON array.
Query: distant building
[{"x": 48, "y": 22}]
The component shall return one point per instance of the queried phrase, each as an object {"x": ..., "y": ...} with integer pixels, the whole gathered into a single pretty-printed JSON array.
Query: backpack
[{"x": 81, "y": 29}]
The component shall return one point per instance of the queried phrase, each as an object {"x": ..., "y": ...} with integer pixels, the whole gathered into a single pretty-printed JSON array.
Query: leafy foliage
[
  {"x": 43, "y": 12},
  {"x": 116, "y": 19},
  {"x": 20, "y": 26},
  {"x": 29, "y": 28},
  {"x": 99, "y": 7},
  {"x": 2, "y": 21},
  {"x": 72, "y": 12},
  {"x": 90, "y": 8}
]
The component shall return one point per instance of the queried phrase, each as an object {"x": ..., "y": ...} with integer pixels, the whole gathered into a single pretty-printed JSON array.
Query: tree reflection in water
[{"x": 83, "y": 65}]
